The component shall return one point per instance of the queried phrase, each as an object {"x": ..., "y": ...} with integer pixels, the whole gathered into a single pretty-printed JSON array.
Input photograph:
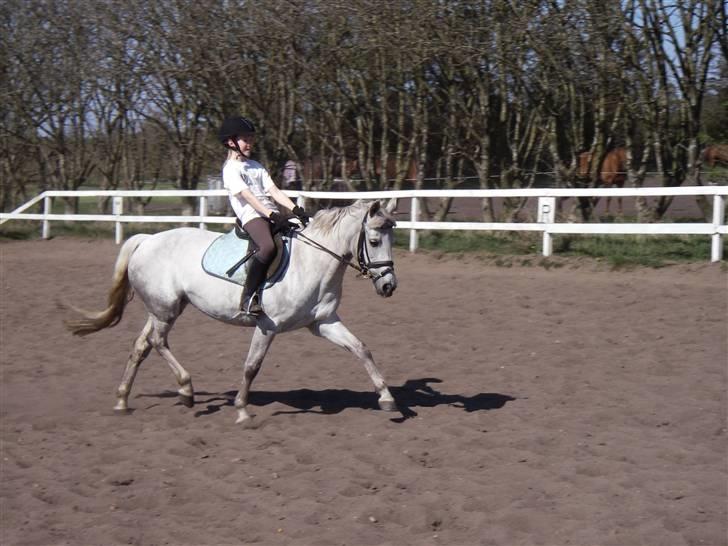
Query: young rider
[{"x": 253, "y": 196}]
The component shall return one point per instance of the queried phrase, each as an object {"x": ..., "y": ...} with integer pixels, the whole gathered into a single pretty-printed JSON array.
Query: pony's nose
[{"x": 388, "y": 289}]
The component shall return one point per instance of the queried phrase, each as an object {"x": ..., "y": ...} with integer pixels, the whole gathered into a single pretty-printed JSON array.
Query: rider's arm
[
  {"x": 253, "y": 201},
  {"x": 281, "y": 198}
]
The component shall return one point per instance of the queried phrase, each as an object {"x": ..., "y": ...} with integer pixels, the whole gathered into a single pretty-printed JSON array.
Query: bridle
[{"x": 364, "y": 265}]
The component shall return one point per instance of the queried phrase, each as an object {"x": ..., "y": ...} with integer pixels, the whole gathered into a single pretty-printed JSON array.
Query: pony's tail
[{"x": 119, "y": 295}]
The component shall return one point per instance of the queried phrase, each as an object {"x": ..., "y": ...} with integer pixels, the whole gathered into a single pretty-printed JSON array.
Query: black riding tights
[{"x": 259, "y": 231}]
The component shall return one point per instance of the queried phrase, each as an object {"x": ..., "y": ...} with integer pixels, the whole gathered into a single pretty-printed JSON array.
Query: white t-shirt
[{"x": 250, "y": 175}]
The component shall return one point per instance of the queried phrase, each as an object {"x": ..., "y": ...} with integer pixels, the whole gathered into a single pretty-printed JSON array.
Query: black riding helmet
[{"x": 236, "y": 126}]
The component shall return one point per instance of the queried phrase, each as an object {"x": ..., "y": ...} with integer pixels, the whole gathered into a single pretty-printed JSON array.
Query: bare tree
[
  {"x": 671, "y": 77},
  {"x": 50, "y": 96},
  {"x": 493, "y": 91},
  {"x": 175, "y": 98}
]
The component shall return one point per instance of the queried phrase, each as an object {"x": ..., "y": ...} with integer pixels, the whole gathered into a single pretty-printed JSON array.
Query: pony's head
[
  {"x": 374, "y": 250},
  {"x": 371, "y": 247}
]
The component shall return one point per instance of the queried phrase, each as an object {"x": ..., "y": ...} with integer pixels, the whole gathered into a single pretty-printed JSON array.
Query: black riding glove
[
  {"x": 279, "y": 222},
  {"x": 301, "y": 215}
]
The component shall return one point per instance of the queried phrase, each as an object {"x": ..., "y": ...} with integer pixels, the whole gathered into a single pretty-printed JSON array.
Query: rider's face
[{"x": 245, "y": 143}]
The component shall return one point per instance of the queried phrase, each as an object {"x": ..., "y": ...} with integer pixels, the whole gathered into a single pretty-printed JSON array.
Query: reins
[{"x": 340, "y": 258}]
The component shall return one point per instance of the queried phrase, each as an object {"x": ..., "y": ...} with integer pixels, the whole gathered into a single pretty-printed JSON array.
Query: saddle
[{"x": 228, "y": 256}]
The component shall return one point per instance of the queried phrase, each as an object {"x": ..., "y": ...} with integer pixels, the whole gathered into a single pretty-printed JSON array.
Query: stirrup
[{"x": 249, "y": 308}]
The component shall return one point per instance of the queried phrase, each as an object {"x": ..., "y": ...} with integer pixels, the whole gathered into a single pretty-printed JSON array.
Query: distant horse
[
  {"x": 165, "y": 271},
  {"x": 612, "y": 171},
  {"x": 716, "y": 153}
]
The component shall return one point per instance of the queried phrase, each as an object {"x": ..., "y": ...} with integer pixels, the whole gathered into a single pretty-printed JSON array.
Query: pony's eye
[{"x": 374, "y": 242}]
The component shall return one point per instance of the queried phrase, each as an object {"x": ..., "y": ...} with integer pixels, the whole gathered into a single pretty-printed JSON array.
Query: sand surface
[{"x": 573, "y": 405}]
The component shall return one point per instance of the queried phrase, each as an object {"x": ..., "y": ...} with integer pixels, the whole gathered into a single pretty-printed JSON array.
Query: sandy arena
[{"x": 573, "y": 405}]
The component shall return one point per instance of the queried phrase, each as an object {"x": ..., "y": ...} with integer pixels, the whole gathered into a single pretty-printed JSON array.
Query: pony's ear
[
  {"x": 374, "y": 208},
  {"x": 391, "y": 206}
]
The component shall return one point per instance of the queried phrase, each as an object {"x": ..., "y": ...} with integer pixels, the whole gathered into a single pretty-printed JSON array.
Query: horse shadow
[{"x": 414, "y": 393}]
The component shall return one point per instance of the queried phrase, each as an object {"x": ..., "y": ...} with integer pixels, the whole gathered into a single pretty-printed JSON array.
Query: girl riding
[{"x": 253, "y": 196}]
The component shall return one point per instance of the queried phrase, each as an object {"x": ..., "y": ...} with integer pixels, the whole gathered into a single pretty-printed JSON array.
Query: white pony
[{"x": 165, "y": 270}]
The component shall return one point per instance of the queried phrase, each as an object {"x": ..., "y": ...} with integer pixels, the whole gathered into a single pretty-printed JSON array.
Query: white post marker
[
  {"x": 117, "y": 209},
  {"x": 203, "y": 210},
  {"x": 46, "y": 225},
  {"x": 547, "y": 215},
  {"x": 716, "y": 247},
  {"x": 414, "y": 217}
]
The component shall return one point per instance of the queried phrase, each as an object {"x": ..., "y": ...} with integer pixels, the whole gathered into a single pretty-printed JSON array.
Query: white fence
[{"x": 546, "y": 211}]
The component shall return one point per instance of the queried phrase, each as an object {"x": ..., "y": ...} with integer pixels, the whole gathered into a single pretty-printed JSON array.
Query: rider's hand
[
  {"x": 301, "y": 215},
  {"x": 278, "y": 221}
]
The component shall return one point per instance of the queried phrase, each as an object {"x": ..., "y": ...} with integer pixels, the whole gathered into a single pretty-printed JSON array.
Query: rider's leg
[
  {"x": 259, "y": 231},
  {"x": 249, "y": 304}
]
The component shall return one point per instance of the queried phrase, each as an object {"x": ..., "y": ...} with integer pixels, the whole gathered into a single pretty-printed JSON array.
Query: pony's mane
[{"x": 326, "y": 220}]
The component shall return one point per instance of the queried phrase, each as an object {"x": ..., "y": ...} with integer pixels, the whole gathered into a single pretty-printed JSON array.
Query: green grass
[
  {"x": 505, "y": 249},
  {"x": 21, "y": 230},
  {"x": 715, "y": 175},
  {"x": 465, "y": 242},
  {"x": 92, "y": 205},
  {"x": 17, "y": 231},
  {"x": 619, "y": 251},
  {"x": 637, "y": 250}
]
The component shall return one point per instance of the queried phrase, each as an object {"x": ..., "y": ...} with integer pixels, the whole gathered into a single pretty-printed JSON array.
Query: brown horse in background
[
  {"x": 716, "y": 153},
  {"x": 612, "y": 171}
]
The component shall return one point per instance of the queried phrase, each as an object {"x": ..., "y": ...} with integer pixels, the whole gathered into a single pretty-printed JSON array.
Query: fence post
[
  {"x": 547, "y": 215},
  {"x": 414, "y": 217},
  {"x": 716, "y": 247},
  {"x": 46, "y": 225},
  {"x": 203, "y": 210},
  {"x": 117, "y": 209}
]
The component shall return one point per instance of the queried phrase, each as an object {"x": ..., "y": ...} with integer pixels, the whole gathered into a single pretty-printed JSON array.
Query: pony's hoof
[
  {"x": 123, "y": 411},
  {"x": 387, "y": 405},
  {"x": 187, "y": 401},
  {"x": 244, "y": 419}
]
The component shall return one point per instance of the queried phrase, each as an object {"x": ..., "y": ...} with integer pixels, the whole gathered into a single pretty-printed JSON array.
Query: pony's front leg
[
  {"x": 258, "y": 349},
  {"x": 335, "y": 331}
]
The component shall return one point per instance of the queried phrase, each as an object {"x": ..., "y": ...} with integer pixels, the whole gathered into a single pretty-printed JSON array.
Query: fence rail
[{"x": 546, "y": 211}]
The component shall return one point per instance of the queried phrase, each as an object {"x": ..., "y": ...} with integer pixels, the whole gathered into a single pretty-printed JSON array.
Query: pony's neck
[{"x": 338, "y": 229}]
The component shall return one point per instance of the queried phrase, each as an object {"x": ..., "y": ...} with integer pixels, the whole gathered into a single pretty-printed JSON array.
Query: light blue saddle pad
[{"x": 228, "y": 249}]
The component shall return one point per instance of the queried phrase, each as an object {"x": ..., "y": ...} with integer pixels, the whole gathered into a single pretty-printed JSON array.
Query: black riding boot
[{"x": 249, "y": 304}]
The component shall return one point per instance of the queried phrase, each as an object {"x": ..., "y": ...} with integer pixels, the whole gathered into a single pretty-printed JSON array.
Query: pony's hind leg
[
  {"x": 141, "y": 350},
  {"x": 158, "y": 339},
  {"x": 335, "y": 331}
]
